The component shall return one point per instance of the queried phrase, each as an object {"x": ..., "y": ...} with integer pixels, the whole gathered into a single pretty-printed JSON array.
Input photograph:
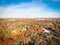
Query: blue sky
[{"x": 30, "y": 8}]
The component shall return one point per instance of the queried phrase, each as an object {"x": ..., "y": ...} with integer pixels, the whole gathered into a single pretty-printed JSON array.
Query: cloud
[{"x": 28, "y": 10}]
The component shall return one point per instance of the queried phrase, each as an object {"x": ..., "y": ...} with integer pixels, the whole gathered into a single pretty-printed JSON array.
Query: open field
[{"x": 28, "y": 31}]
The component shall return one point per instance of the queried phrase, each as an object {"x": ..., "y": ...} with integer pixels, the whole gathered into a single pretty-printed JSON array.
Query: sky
[{"x": 29, "y": 8}]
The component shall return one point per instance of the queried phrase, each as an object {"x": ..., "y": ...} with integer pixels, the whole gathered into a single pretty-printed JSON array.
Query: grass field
[{"x": 30, "y": 31}]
